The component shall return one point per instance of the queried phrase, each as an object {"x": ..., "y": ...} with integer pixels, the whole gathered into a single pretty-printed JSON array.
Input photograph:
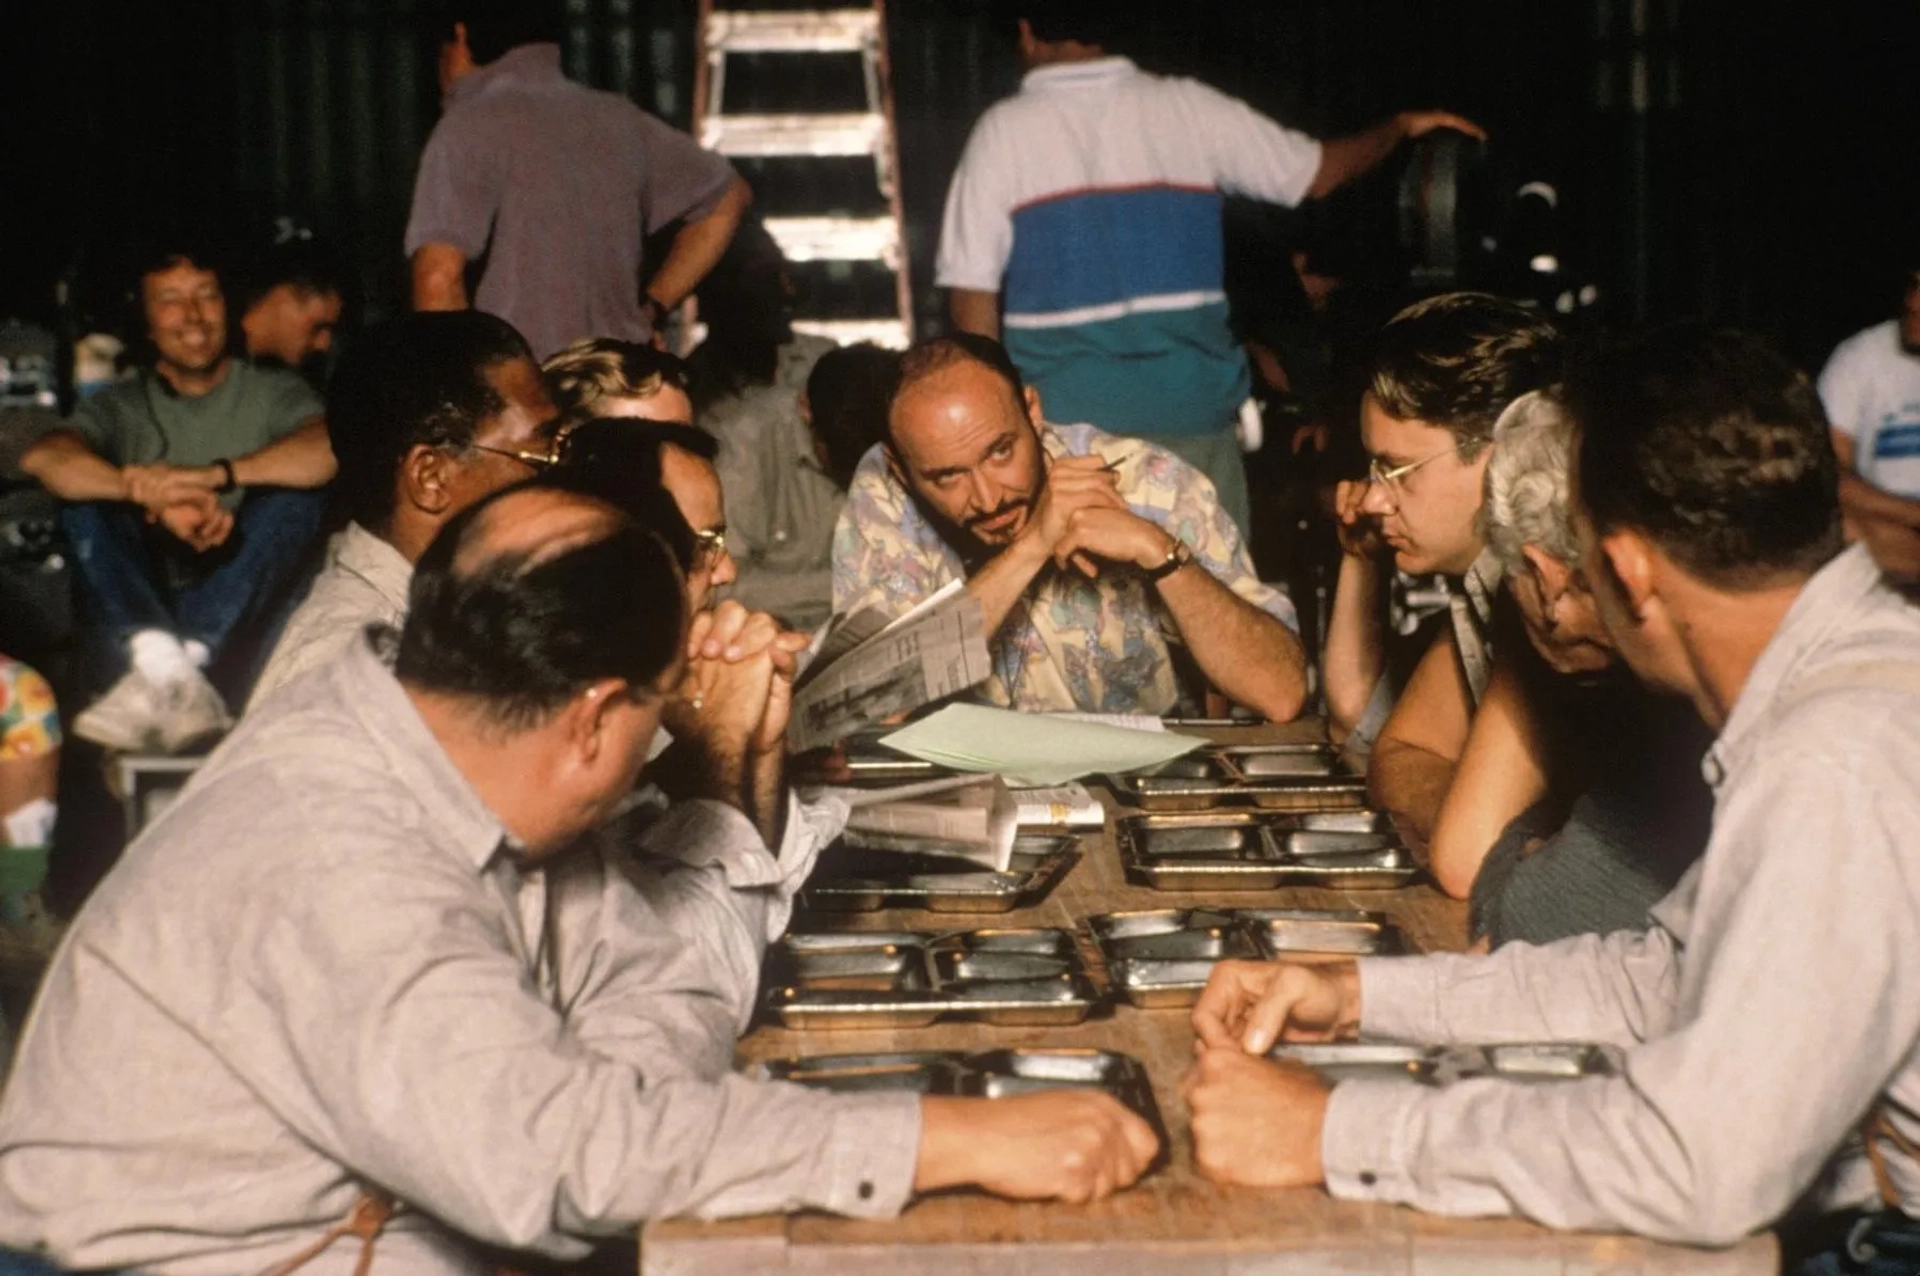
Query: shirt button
[
  {"x": 866, "y": 1190},
  {"x": 1368, "y": 1178}
]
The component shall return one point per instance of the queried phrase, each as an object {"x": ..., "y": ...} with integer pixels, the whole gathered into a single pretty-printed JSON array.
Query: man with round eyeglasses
[{"x": 1441, "y": 373}]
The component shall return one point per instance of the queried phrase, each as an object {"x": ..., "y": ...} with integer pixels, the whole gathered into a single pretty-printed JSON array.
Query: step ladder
[{"x": 829, "y": 237}]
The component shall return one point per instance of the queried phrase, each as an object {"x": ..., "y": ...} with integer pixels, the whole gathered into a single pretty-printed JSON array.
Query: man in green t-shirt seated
[{"x": 190, "y": 496}]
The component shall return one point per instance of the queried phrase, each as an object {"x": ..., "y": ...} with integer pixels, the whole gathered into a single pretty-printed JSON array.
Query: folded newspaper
[
  {"x": 974, "y": 821},
  {"x": 867, "y": 669}
]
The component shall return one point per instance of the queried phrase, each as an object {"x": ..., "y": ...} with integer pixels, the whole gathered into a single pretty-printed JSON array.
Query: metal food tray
[
  {"x": 1275, "y": 777},
  {"x": 853, "y": 877},
  {"x": 991, "y": 1074},
  {"x": 1196, "y": 782},
  {"x": 1435, "y": 1065},
  {"x": 1249, "y": 851},
  {"x": 1162, "y": 957},
  {"x": 1294, "y": 777},
  {"x": 909, "y": 979}
]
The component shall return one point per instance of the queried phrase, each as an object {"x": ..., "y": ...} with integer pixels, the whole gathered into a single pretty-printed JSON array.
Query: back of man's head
[
  {"x": 416, "y": 381},
  {"x": 847, "y": 396},
  {"x": 1457, "y": 360},
  {"x": 1090, "y": 22},
  {"x": 593, "y": 370},
  {"x": 301, "y": 265},
  {"x": 532, "y": 595},
  {"x": 1715, "y": 448},
  {"x": 495, "y": 27},
  {"x": 1527, "y": 502}
]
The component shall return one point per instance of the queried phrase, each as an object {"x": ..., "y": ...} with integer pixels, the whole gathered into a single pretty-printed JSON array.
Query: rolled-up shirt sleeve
[
  {"x": 683, "y": 180},
  {"x": 703, "y": 869},
  {"x": 976, "y": 230},
  {"x": 435, "y": 1067},
  {"x": 456, "y": 193},
  {"x": 1251, "y": 154},
  {"x": 1799, "y": 998},
  {"x": 1615, "y": 989}
]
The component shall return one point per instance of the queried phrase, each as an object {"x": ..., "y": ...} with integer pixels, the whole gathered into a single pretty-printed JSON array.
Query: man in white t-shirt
[
  {"x": 1086, "y": 207},
  {"x": 1871, "y": 390}
]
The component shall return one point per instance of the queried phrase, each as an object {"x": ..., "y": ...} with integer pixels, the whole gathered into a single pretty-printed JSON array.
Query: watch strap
[{"x": 1177, "y": 557}]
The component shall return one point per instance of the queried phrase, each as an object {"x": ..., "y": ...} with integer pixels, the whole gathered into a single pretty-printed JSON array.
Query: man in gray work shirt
[
  {"x": 365, "y": 954},
  {"x": 1775, "y": 1003},
  {"x": 554, "y": 185}
]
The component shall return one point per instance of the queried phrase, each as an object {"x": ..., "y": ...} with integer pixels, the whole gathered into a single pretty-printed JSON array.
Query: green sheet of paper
[{"x": 1033, "y": 748}]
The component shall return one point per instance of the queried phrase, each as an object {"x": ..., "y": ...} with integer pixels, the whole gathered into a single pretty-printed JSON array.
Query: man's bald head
[
  {"x": 535, "y": 594},
  {"x": 531, "y": 523}
]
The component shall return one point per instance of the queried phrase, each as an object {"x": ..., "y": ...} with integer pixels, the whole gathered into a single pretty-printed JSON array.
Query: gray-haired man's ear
[{"x": 1553, "y": 575}]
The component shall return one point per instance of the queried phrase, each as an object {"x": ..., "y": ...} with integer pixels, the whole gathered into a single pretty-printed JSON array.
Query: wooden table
[{"x": 1175, "y": 1220}]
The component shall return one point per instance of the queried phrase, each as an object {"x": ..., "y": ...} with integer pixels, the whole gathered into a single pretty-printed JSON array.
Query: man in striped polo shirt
[{"x": 1087, "y": 208}]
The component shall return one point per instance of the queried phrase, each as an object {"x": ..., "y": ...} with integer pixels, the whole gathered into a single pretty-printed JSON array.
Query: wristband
[
  {"x": 227, "y": 481},
  {"x": 1178, "y": 556}
]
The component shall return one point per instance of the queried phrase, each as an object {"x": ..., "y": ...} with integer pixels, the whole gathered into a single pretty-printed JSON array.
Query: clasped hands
[
  {"x": 1256, "y": 1121},
  {"x": 183, "y": 499},
  {"x": 737, "y": 690},
  {"x": 1080, "y": 521}
]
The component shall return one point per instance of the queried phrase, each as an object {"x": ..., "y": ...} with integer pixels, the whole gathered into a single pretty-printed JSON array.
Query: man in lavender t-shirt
[{"x": 554, "y": 185}]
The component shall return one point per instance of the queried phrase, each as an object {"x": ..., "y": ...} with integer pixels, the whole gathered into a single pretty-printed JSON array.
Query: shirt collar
[
  {"x": 1830, "y": 600},
  {"x": 1481, "y": 583},
  {"x": 525, "y": 64},
  {"x": 1074, "y": 75},
  {"x": 414, "y": 757},
  {"x": 378, "y": 563}
]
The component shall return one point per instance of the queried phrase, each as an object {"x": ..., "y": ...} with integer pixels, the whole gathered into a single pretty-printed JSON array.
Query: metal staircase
[{"x": 831, "y": 236}]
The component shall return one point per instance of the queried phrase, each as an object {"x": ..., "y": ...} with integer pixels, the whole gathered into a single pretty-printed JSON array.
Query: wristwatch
[
  {"x": 1178, "y": 556},
  {"x": 227, "y": 480},
  {"x": 657, "y": 311}
]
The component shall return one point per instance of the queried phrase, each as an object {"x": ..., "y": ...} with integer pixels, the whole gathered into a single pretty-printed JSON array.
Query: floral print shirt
[{"x": 1070, "y": 643}]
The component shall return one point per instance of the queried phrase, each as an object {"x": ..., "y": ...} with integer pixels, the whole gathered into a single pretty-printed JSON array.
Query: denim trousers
[{"x": 132, "y": 576}]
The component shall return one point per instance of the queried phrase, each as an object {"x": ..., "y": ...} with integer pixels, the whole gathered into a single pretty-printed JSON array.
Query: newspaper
[
  {"x": 867, "y": 670},
  {"x": 1069, "y": 805},
  {"x": 975, "y": 821}
]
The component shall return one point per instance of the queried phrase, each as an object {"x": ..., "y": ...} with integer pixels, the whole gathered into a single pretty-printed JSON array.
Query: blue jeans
[
  {"x": 132, "y": 576},
  {"x": 1886, "y": 1244}
]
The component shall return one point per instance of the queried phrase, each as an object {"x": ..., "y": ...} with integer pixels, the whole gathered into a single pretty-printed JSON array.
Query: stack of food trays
[
  {"x": 1337, "y": 1061},
  {"x": 1256, "y": 817},
  {"x": 909, "y": 979},
  {"x": 1162, "y": 957}
]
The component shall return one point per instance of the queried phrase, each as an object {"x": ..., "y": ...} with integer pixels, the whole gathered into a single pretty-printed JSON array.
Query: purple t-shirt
[{"x": 555, "y": 184}]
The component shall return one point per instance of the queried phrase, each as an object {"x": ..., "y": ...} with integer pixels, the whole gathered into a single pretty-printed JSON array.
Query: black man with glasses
[{"x": 427, "y": 414}]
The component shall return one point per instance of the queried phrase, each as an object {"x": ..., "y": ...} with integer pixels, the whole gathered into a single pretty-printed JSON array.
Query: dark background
[{"x": 1769, "y": 178}]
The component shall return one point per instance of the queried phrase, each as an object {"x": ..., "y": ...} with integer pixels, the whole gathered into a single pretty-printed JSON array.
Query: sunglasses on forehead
[{"x": 571, "y": 448}]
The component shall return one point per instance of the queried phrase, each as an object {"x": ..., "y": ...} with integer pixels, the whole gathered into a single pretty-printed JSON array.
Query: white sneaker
[
  {"x": 190, "y": 712},
  {"x": 126, "y": 718}
]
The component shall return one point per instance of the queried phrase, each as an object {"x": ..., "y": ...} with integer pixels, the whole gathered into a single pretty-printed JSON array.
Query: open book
[{"x": 868, "y": 668}]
